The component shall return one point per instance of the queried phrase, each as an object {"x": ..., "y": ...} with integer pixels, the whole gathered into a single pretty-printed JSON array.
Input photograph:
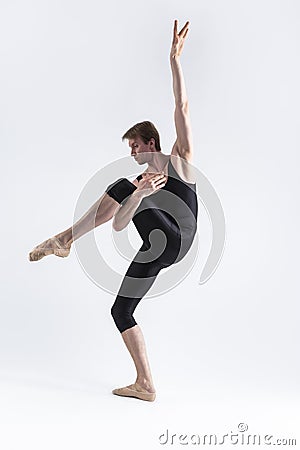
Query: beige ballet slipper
[
  {"x": 134, "y": 390},
  {"x": 49, "y": 247}
]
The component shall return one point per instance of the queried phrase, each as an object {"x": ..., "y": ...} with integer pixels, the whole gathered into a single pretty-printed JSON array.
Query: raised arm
[{"x": 183, "y": 146}]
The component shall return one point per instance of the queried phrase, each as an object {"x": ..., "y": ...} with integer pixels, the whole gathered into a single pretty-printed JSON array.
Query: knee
[
  {"x": 120, "y": 189},
  {"x": 111, "y": 186},
  {"x": 122, "y": 317}
]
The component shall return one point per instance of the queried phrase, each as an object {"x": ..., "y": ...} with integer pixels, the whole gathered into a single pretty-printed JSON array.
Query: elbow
[
  {"x": 116, "y": 226},
  {"x": 117, "y": 229},
  {"x": 182, "y": 104}
]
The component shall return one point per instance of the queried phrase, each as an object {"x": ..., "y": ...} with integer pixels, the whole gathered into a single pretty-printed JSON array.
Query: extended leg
[
  {"x": 60, "y": 244},
  {"x": 102, "y": 211}
]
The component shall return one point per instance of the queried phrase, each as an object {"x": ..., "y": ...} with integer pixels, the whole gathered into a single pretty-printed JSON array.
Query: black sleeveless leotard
[{"x": 172, "y": 209}]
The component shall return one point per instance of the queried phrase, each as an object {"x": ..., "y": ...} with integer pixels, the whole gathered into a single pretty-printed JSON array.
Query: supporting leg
[
  {"x": 138, "y": 279},
  {"x": 134, "y": 341},
  {"x": 143, "y": 387}
]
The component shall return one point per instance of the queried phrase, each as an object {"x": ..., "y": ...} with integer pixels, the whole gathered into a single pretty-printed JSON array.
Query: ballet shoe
[
  {"x": 134, "y": 390},
  {"x": 49, "y": 247}
]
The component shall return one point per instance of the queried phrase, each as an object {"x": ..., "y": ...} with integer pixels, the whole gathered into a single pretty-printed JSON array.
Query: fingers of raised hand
[
  {"x": 184, "y": 30},
  {"x": 185, "y": 33},
  {"x": 175, "y": 28}
]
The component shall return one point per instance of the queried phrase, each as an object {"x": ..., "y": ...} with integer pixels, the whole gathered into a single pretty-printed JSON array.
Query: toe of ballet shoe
[
  {"x": 31, "y": 257},
  {"x": 35, "y": 255}
]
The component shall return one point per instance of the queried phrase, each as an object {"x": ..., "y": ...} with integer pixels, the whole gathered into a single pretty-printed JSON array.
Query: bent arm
[
  {"x": 148, "y": 185},
  {"x": 125, "y": 212}
]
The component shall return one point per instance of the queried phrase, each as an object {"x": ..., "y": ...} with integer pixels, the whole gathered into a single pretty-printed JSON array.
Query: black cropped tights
[{"x": 136, "y": 283}]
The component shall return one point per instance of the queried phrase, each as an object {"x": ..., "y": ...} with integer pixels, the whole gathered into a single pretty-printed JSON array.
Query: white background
[{"x": 74, "y": 77}]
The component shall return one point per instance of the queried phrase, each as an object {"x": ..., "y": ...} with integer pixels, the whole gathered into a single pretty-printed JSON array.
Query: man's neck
[{"x": 158, "y": 162}]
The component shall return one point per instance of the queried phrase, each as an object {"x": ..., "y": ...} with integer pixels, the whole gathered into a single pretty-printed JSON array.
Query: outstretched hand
[{"x": 178, "y": 39}]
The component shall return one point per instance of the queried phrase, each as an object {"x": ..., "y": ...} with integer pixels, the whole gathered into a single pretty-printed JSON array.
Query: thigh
[{"x": 140, "y": 275}]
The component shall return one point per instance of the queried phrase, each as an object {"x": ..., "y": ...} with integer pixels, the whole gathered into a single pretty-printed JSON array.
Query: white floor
[{"x": 48, "y": 415}]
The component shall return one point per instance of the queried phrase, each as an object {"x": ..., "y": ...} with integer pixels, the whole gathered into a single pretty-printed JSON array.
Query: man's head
[{"x": 143, "y": 139}]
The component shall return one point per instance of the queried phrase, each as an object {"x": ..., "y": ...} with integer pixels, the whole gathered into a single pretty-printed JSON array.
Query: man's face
[{"x": 142, "y": 153}]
